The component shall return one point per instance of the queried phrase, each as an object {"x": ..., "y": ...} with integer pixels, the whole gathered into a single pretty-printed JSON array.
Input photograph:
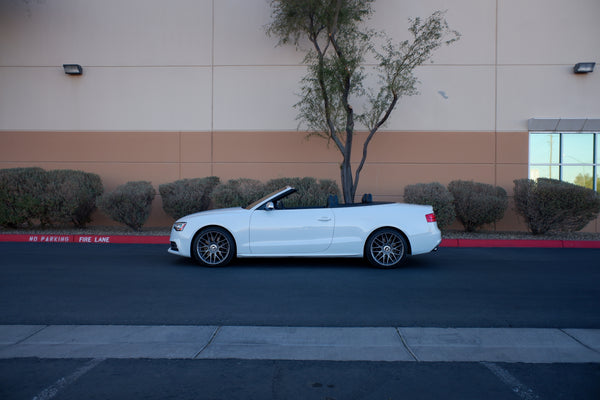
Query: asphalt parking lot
[
  {"x": 130, "y": 321},
  {"x": 65, "y": 284},
  {"x": 293, "y": 380}
]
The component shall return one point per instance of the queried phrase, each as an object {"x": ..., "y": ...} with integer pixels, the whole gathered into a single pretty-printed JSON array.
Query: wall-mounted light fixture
[
  {"x": 73, "y": 69},
  {"x": 584, "y": 67}
]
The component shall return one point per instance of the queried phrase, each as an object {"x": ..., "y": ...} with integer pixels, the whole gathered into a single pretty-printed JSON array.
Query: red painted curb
[
  {"x": 525, "y": 243},
  {"x": 37, "y": 238},
  {"x": 449, "y": 243},
  {"x": 122, "y": 239},
  {"x": 581, "y": 244},
  {"x": 95, "y": 239},
  {"x": 125, "y": 239},
  {"x": 509, "y": 243}
]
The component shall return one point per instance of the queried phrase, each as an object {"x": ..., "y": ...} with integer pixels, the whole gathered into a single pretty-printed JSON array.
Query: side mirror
[{"x": 270, "y": 206}]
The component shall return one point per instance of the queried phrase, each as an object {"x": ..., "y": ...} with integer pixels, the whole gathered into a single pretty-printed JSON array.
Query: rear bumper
[{"x": 426, "y": 242}]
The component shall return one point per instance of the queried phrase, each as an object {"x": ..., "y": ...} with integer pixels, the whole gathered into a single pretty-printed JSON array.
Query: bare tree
[{"x": 334, "y": 84}]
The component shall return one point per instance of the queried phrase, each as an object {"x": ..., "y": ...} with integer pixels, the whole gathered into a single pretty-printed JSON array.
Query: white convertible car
[{"x": 383, "y": 233}]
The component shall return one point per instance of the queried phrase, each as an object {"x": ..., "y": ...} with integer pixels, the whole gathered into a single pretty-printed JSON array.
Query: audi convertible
[{"x": 383, "y": 233}]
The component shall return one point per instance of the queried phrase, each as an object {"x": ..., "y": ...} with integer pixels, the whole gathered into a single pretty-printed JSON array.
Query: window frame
[{"x": 561, "y": 164}]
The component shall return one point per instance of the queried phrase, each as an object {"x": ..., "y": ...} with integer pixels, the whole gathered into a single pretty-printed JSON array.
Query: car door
[{"x": 292, "y": 231}]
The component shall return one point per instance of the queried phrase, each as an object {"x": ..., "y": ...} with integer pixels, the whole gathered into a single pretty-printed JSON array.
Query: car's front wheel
[
  {"x": 386, "y": 248},
  {"x": 213, "y": 247}
]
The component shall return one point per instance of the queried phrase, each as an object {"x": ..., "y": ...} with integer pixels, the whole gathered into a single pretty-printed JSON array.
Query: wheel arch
[
  {"x": 212, "y": 226},
  {"x": 374, "y": 231}
]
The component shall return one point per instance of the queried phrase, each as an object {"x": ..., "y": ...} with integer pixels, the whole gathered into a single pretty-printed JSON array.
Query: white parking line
[
  {"x": 62, "y": 383},
  {"x": 506, "y": 377}
]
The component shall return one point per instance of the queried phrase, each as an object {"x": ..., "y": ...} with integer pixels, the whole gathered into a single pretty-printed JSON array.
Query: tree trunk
[{"x": 347, "y": 184}]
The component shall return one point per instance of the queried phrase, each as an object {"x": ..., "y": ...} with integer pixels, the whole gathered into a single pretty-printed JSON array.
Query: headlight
[{"x": 178, "y": 226}]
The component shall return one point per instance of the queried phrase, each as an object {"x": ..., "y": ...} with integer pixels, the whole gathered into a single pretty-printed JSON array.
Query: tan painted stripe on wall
[{"x": 395, "y": 159}]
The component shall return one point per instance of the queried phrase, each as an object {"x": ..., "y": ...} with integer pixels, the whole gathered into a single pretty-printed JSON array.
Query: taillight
[{"x": 431, "y": 217}]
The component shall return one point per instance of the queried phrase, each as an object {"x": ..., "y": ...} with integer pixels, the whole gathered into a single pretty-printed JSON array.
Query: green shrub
[
  {"x": 327, "y": 187},
  {"x": 187, "y": 196},
  {"x": 129, "y": 204},
  {"x": 477, "y": 204},
  {"x": 22, "y": 192},
  {"x": 310, "y": 192},
  {"x": 71, "y": 197},
  {"x": 436, "y": 195},
  {"x": 241, "y": 192},
  {"x": 238, "y": 193},
  {"x": 550, "y": 205}
]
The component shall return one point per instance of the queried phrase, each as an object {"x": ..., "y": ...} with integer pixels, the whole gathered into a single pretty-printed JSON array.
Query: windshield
[{"x": 257, "y": 202}]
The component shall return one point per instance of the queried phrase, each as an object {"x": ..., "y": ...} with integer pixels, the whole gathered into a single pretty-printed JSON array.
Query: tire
[
  {"x": 386, "y": 248},
  {"x": 213, "y": 247}
]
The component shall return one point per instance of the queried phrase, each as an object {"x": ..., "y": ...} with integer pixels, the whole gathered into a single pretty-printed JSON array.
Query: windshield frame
[{"x": 267, "y": 197}]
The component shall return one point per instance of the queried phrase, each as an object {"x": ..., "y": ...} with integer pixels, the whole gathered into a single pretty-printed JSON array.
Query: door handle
[{"x": 325, "y": 219}]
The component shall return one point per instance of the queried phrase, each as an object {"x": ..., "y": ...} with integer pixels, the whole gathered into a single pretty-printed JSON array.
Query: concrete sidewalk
[{"x": 302, "y": 343}]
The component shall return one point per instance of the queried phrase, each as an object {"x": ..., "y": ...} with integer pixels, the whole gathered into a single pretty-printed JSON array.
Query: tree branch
[
  {"x": 370, "y": 136},
  {"x": 325, "y": 97}
]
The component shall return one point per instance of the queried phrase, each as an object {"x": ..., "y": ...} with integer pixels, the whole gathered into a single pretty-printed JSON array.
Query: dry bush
[
  {"x": 477, "y": 204},
  {"x": 550, "y": 205},
  {"x": 129, "y": 204}
]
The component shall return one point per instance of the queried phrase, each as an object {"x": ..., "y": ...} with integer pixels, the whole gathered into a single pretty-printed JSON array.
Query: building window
[{"x": 568, "y": 156}]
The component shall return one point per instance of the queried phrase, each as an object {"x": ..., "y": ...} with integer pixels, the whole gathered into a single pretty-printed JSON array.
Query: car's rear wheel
[
  {"x": 386, "y": 248},
  {"x": 213, "y": 247}
]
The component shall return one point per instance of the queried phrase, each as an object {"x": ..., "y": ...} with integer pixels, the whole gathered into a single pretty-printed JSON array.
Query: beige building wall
[{"x": 191, "y": 88}]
